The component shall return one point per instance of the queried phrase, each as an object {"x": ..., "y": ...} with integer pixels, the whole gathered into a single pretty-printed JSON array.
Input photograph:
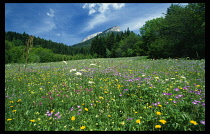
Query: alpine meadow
[{"x": 113, "y": 80}]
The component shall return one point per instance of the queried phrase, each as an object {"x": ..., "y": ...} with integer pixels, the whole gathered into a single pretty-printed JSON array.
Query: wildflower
[
  {"x": 122, "y": 123},
  {"x": 120, "y": 95},
  {"x": 72, "y": 70},
  {"x": 150, "y": 106},
  {"x": 158, "y": 113},
  {"x": 160, "y": 105},
  {"x": 92, "y": 64},
  {"x": 11, "y": 101},
  {"x": 32, "y": 120},
  {"x": 157, "y": 126},
  {"x": 129, "y": 118},
  {"x": 38, "y": 119},
  {"x": 73, "y": 118},
  {"x": 163, "y": 121},
  {"x": 90, "y": 82},
  {"x": 57, "y": 114},
  {"x": 101, "y": 97},
  {"x": 202, "y": 122},
  {"x": 72, "y": 109},
  {"x": 170, "y": 99},
  {"x": 78, "y": 73},
  {"x": 86, "y": 109},
  {"x": 135, "y": 112},
  {"x": 9, "y": 119},
  {"x": 14, "y": 110},
  {"x": 198, "y": 86},
  {"x": 138, "y": 121},
  {"x": 65, "y": 62},
  {"x": 11, "y": 106},
  {"x": 176, "y": 89},
  {"x": 82, "y": 127},
  {"x": 193, "y": 122},
  {"x": 108, "y": 115}
]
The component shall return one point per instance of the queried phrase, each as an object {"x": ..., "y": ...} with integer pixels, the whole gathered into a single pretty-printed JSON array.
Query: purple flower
[
  {"x": 169, "y": 94},
  {"x": 129, "y": 118},
  {"x": 176, "y": 89},
  {"x": 72, "y": 109},
  {"x": 155, "y": 104},
  {"x": 166, "y": 102},
  {"x": 57, "y": 114},
  {"x": 164, "y": 93},
  {"x": 194, "y": 102},
  {"x": 125, "y": 89},
  {"x": 78, "y": 113},
  {"x": 120, "y": 95},
  {"x": 80, "y": 110},
  {"x": 174, "y": 101},
  {"x": 202, "y": 122},
  {"x": 78, "y": 106}
]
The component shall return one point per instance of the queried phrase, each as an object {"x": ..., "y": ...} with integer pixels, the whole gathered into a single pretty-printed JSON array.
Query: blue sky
[{"x": 70, "y": 23}]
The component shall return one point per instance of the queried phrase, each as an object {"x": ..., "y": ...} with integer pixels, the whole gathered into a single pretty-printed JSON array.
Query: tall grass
[{"x": 122, "y": 94}]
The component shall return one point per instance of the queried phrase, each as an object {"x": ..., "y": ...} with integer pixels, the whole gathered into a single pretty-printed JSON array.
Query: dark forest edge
[{"x": 179, "y": 34}]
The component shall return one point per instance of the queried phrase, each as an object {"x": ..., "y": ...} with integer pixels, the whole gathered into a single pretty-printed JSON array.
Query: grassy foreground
[{"x": 122, "y": 94}]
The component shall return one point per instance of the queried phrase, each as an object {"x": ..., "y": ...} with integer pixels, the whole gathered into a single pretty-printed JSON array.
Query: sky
[{"x": 70, "y": 23}]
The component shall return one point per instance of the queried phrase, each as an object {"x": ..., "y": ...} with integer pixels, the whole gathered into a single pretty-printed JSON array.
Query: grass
[{"x": 122, "y": 94}]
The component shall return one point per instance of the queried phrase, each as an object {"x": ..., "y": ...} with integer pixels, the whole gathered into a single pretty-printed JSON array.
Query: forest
[{"x": 179, "y": 33}]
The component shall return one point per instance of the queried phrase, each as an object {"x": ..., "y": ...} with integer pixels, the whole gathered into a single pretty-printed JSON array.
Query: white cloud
[
  {"x": 51, "y": 14},
  {"x": 98, "y": 19},
  {"x": 102, "y": 7},
  {"x": 103, "y": 10}
]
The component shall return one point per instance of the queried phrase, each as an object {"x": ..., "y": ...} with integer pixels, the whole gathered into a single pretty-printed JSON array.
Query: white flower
[
  {"x": 73, "y": 70},
  {"x": 172, "y": 78},
  {"x": 91, "y": 82},
  {"x": 143, "y": 75},
  {"x": 78, "y": 73},
  {"x": 92, "y": 64},
  {"x": 65, "y": 62}
]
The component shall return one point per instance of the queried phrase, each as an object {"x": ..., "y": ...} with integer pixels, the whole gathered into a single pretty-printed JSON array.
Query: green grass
[{"x": 109, "y": 95}]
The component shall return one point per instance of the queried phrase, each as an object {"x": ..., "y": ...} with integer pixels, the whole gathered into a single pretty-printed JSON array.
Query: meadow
[{"x": 113, "y": 94}]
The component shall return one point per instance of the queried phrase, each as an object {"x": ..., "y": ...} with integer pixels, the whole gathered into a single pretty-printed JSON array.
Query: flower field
[{"x": 119, "y": 94}]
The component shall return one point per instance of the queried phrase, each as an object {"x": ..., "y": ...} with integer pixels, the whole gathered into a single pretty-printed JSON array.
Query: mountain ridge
[{"x": 89, "y": 38}]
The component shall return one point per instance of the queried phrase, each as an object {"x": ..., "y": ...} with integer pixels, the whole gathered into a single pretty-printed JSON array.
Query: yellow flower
[
  {"x": 157, "y": 126},
  {"x": 158, "y": 113},
  {"x": 101, "y": 97},
  {"x": 83, "y": 104},
  {"x": 14, "y": 110},
  {"x": 11, "y": 101},
  {"x": 198, "y": 86},
  {"x": 135, "y": 112},
  {"x": 82, "y": 127},
  {"x": 19, "y": 100},
  {"x": 163, "y": 121},
  {"x": 138, "y": 121},
  {"x": 109, "y": 115},
  {"x": 160, "y": 105},
  {"x": 32, "y": 120},
  {"x": 150, "y": 106},
  {"x": 73, "y": 118},
  {"x": 11, "y": 106},
  {"x": 9, "y": 119},
  {"x": 86, "y": 109},
  {"x": 193, "y": 122},
  {"x": 38, "y": 119},
  {"x": 170, "y": 99},
  {"x": 122, "y": 123}
]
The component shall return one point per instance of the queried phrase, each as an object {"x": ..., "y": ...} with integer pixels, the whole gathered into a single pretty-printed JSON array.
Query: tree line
[{"x": 179, "y": 34}]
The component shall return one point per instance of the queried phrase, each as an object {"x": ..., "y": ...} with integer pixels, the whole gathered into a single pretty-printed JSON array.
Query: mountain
[
  {"x": 91, "y": 36},
  {"x": 87, "y": 41}
]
